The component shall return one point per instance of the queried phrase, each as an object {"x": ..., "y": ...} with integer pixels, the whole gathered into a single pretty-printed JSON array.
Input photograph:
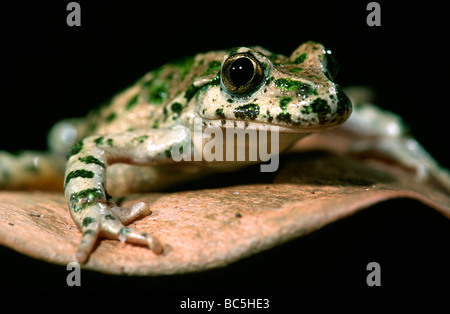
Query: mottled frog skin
[{"x": 242, "y": 88}]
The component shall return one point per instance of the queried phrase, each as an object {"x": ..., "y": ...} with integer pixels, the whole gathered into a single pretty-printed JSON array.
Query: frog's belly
[{"x": 124, "y": 178}]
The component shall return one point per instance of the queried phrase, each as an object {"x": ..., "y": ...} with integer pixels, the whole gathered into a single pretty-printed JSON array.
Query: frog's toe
[
  {"x": 131, "y": 236},
  {"x": 126, "y": 215},
  {"x": 88, "y": 241},
  {"x": 136, "y": 211}
]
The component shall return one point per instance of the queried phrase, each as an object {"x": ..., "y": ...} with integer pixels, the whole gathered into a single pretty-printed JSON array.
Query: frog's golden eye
[{"x": 241, "y": 73}]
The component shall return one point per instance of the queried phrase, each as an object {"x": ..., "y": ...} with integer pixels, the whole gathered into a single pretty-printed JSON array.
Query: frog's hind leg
[
  {"x": 382, "y": 133},
  {"x": 42, "y": 170},
  {"x": 31, "y": 170}
]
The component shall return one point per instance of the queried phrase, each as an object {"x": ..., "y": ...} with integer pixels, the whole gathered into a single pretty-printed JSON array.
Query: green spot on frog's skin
[
  {"x": 110, "y": 217},
  {"x": 290, "y": 85},
  {"x": 284, "y": 101},
  {"x": 165, "y": 113},
  {"x": 89, "y": 232},
  {"x": 157, "y": 93},
  {"x": 184, "y": 65},
  {"x": 111, "y": 117},
  {"x": 80, "y": 200},
  {"x": 301, "y": 58},
  {"x": 168, "y": 152},
  {"x": 140, "y": 139},
  {"x": 91, "y": 160},
  {"x": 75, "y": 149},
  {"x": 295, "y": 70},
  {"x": 80, "y": 173},
  {"x": 219, "y": 113},
  {"x": 232, "y": 51},
  {"x": 284, "y": 117},
  {"x": 87, "y": 221},
  {"x": 248, "y": 111},
  {"x": 99, "y": 140},
  {"x": 133, "y": 102},
  {"x": 344, "y": 104},
  {"x": 230, "y": 100},
  {"x": 274, "y": 58},
  {"x": 202, "y": 90},
  {"x": 319, "y": 106},
  {"x": 155, "y": 124},
  {"x": 176, "y": 107},
  {"x": 213, "y": 67},
  {"x": 192, "y": 90},
  {"x": 269, "y": 117},
  {"x": 124, "y": 230},
  {"x": 146, "y": 84}
]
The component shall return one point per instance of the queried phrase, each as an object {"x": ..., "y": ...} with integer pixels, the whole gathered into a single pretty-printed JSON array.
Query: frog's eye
[{"x": 241, "y": 73}]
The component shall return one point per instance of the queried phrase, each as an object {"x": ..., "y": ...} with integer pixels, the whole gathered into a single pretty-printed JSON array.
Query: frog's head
[{"x": 295, "y": 93}]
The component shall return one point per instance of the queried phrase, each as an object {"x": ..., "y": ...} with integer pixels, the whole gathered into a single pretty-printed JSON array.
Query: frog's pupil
[{"x": 241, "y": 71}]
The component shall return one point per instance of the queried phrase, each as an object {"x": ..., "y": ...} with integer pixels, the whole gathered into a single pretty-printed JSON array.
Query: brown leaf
[{"x": 209, "y": 227}]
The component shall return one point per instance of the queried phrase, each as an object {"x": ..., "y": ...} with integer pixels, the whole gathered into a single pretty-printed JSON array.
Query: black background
[{"x": 51, "y": 71}]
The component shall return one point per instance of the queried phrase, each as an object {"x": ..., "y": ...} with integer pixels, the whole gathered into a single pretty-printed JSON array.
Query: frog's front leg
[{"x": 85, "y": 182}]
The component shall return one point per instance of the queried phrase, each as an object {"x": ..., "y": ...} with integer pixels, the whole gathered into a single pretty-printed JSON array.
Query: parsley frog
[{"x": 243, "y": 88}]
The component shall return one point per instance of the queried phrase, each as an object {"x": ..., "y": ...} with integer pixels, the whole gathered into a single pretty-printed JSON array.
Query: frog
[{"x": 127, "y": 145}]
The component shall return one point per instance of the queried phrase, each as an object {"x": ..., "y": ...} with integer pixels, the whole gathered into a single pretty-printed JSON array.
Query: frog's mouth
[{"x": 262, "y": 126}]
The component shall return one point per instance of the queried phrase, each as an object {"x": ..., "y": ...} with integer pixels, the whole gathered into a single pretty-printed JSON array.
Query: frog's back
[{"x": 154, "y": 101}]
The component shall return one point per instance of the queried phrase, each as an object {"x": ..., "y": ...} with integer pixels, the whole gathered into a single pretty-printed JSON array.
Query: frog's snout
[{"x": 322, "y": 112}]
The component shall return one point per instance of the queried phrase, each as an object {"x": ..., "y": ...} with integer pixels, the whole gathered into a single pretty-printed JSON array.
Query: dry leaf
[{"x": 210, "y": 227}]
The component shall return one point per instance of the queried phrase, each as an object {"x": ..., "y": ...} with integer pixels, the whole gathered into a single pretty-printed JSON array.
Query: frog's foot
[
  {"x": 107, "y": 220},
  {"x": 408, "y": 153}
]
